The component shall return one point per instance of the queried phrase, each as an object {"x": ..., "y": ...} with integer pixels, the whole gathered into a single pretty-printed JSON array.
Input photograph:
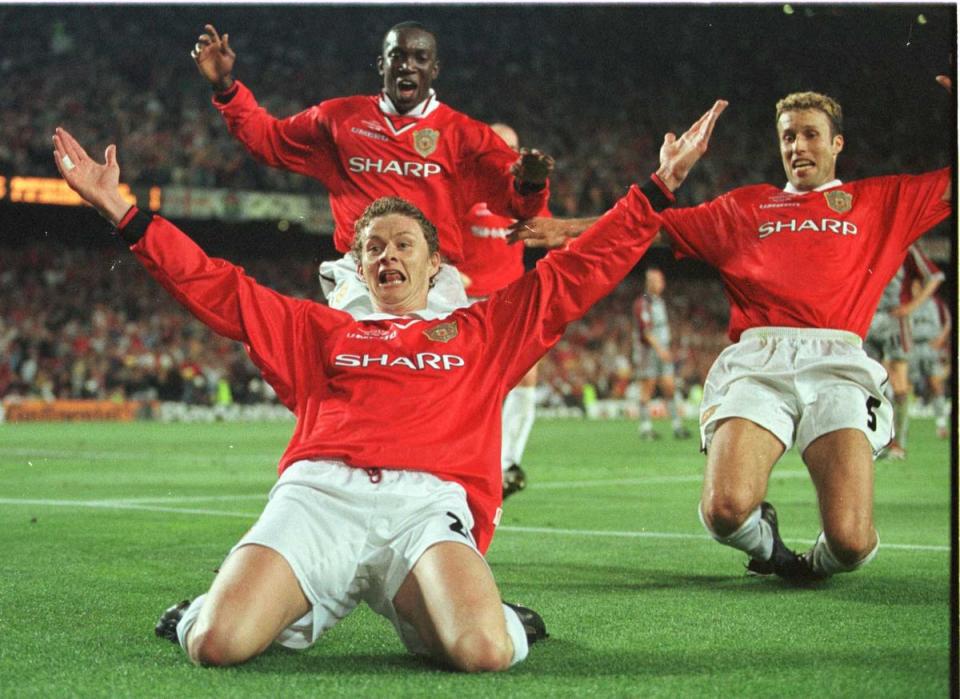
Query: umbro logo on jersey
[
  {"x": 823, "y": 225},
  {"x": 443, "y": 332},
  {"x": 368, "y": 134},
  {"x": 425, "y": 141},
  {"x": 403, "y": 168},
  {"x": 372, "y": 334}
]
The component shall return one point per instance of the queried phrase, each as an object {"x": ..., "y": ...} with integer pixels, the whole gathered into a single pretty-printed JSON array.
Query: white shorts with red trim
[
  {"x": 353, "y": 535},
  {"x": 800, "y": 384}
]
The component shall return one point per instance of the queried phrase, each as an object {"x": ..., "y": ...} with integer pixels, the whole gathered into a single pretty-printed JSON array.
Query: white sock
[
  {"x": 940, "y": 410},
  {"x": 188, "y": 619},
  {"x": 753, "y": 537},
  {"x": 824, "y": 562},
  {"x": 519, "y": 413},
  {"x": 673, "y": 406},
  {"x": 517, "y": 634}
]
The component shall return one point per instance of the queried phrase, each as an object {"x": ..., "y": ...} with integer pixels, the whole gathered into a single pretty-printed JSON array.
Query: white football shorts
[
  {"x": 800, "y": 384},
  {"x": 345, "y": 291},
  {"x": 352, "y": 535}
]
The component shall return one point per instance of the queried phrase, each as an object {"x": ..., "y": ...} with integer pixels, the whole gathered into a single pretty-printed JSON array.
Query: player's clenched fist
[{"x": 214, "y": 58}]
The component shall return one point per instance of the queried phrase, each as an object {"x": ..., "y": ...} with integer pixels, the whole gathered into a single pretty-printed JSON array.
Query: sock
[
  {"x": 825, "y": 563},
  {"x": 673, "y": 406},
  {"x": 519, "y": 413},
  {"x": 517, "y": 634},
  {"x": 901, "y": 418},
  {"x": 753, "y": 537},
  {"x": 188, "y": 619},
  {"x": 645, "y": 425},
  {"x": 940, "y": 411}
]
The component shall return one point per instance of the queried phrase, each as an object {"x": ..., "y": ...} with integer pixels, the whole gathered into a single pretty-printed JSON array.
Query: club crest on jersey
[
  {"x": 839, "y": 201},
  {"x": 425, "y": 141},
  {"x": 443, "y": 332}
]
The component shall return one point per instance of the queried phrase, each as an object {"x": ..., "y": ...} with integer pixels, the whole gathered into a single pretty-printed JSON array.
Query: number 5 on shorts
[{"x": 872, "y": 404}]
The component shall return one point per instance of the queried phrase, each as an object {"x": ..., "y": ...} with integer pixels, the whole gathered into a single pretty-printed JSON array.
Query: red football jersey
[
  {"x": 488, "y": 260},
  {"x": 422, "y": 392},
  {"x": 360, "y": 151},
  {"x": 813, "y": 259}
]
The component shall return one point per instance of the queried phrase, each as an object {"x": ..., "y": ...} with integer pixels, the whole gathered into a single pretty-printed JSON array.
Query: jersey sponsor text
[
  {"x": 404, "y": 168},
  {"x": 418, "y": 362},
  {"x": 823, "y": 225}
]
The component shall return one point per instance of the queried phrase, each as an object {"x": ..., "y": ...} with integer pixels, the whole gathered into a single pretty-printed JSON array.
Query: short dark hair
[
  {"x": 384, "y": 206},
  {"x": 814, "y": 100},
  {"x": 410, "y": 24}
]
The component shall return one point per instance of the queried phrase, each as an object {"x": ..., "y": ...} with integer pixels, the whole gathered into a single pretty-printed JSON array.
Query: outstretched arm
[
  {"x": 214, "y": 58},
  {"x": 947, "y": 84},
  {"x": 95, "y": 183},
  {"x": 677, "y": 157}
]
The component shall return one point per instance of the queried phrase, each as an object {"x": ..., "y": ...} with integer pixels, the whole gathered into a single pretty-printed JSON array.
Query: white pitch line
[
  {"x": 650, "y": 480},
  {"x": 129, "y": 505}
]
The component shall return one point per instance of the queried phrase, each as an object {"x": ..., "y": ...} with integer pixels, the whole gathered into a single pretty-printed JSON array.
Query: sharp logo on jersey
[
  {"x": 396, "y": 167},
  {"x": 823, "y": 225},
  {"x": 839, "y": 201},
  {"x": 425, "y": 141},
  {"x": 443, "y": 332},
  {"x": 483, "y": 232},
  {"x": 418, "y": 362}
]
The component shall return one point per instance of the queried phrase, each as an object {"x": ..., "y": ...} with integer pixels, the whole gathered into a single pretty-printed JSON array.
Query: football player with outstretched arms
[
  {"x": 803, "y": 268},
  {"x": 389, "y": 490},
  {"x": 401, "y": 142}
]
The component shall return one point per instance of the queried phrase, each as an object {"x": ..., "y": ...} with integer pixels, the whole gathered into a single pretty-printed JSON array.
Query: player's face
[
  {"x": 409, "y": 66},
  {"x": 397, "y": 264},
  {"x": 655, "y": 282},
  {"x": 808, "y": 151}
]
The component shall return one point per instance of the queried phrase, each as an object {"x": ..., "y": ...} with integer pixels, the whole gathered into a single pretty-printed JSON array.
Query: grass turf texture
[{"x": 604, "y": 542}]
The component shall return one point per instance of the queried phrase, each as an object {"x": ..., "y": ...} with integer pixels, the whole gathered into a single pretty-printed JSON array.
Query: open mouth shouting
[
  {"x": 407, "y": 89},
  {"x": 390, "y": 277}
]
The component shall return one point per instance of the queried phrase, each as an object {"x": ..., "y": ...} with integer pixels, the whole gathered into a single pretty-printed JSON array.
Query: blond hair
[
  {"x": 384, "y": 206},
  {"x": 814, "y": 100}
]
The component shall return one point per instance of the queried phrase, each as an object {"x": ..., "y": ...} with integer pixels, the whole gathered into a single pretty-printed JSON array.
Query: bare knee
[
  {"x": 217, "y": 646},
  {"x": 851, "y": 544},
  {"x": 481, "y": 651},
  {"x": 725, "y": 513}
]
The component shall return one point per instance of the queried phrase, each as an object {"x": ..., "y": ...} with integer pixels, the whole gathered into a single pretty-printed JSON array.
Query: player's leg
[
  {"x": 647, "y": 388},
  {"x": 739, "y": 460},
  {"x": 519, "y": 413},
  {"x": 254, "y": 597},
  {"x": 897, "y": 370},
  {"x": 841, "y": 466},
  {"x": 452, "y": 601},
  {"x": 938, "y": 401},
  {"x": 670, "y": 397}
]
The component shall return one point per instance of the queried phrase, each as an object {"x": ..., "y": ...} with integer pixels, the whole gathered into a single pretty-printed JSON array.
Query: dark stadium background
[{"x": 594, "y": 85}]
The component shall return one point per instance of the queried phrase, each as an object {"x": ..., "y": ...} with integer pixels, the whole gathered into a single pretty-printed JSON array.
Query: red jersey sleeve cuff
[
  {"x": 133, "y": 225},
  {"x": 657, "y": 193},
  {"x": 227, "y": 95}
]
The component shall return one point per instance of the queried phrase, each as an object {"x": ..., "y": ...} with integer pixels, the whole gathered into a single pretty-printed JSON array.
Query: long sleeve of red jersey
[
  {"x": 232, "y": 303},
  {"x": 299, "y": 143},
  {"x": 529, "y": 316},
  {"x": 489, "y": 161}
]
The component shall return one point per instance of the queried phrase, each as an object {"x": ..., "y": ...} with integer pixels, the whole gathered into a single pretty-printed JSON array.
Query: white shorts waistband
[{"x": 803, "y": 334}]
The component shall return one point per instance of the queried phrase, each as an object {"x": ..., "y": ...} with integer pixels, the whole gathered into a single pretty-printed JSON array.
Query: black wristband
[
  {"x": 136, "y": 228},
  {"x": 658, "y": 200},
  {"x": 224, "y": 96}
]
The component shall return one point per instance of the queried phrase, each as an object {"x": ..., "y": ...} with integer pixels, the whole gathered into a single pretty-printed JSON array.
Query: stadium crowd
[{"x": 595, "y": 111}]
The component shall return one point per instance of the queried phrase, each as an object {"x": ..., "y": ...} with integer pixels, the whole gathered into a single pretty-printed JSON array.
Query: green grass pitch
[{"x": 103, "y": 526}]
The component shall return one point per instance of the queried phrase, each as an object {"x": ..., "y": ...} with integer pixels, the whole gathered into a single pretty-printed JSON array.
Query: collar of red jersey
[
  {"x": 422, "y": 110},
  {"x": 790, "y": 189},
  {"x": 422, "y": 314}
]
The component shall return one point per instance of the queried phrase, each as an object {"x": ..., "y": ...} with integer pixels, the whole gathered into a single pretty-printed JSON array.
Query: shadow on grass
[{"x": 863, "y": 587}]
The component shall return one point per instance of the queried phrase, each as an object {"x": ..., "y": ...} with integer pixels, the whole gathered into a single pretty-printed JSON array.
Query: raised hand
[
  {"x": 533, "y": 167},
  {"x": 214, "y": 58},
  {"x": 95, "y": 183},
  {"x": 679, "y": 155},
  {"x": 946, "y": 82}
]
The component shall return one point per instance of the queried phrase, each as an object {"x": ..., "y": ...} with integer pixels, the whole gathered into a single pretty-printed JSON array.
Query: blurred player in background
[
  {"x": 931, "y": 325},
  {"x": 652, "y": 355},
  {"x": 389, "y": 489},
  {"x": 489, "y": 264},
  {"x": 889, "y": 339},
  {"x": 401, "y": 142},
  {"x": 803, "y": 268}
]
